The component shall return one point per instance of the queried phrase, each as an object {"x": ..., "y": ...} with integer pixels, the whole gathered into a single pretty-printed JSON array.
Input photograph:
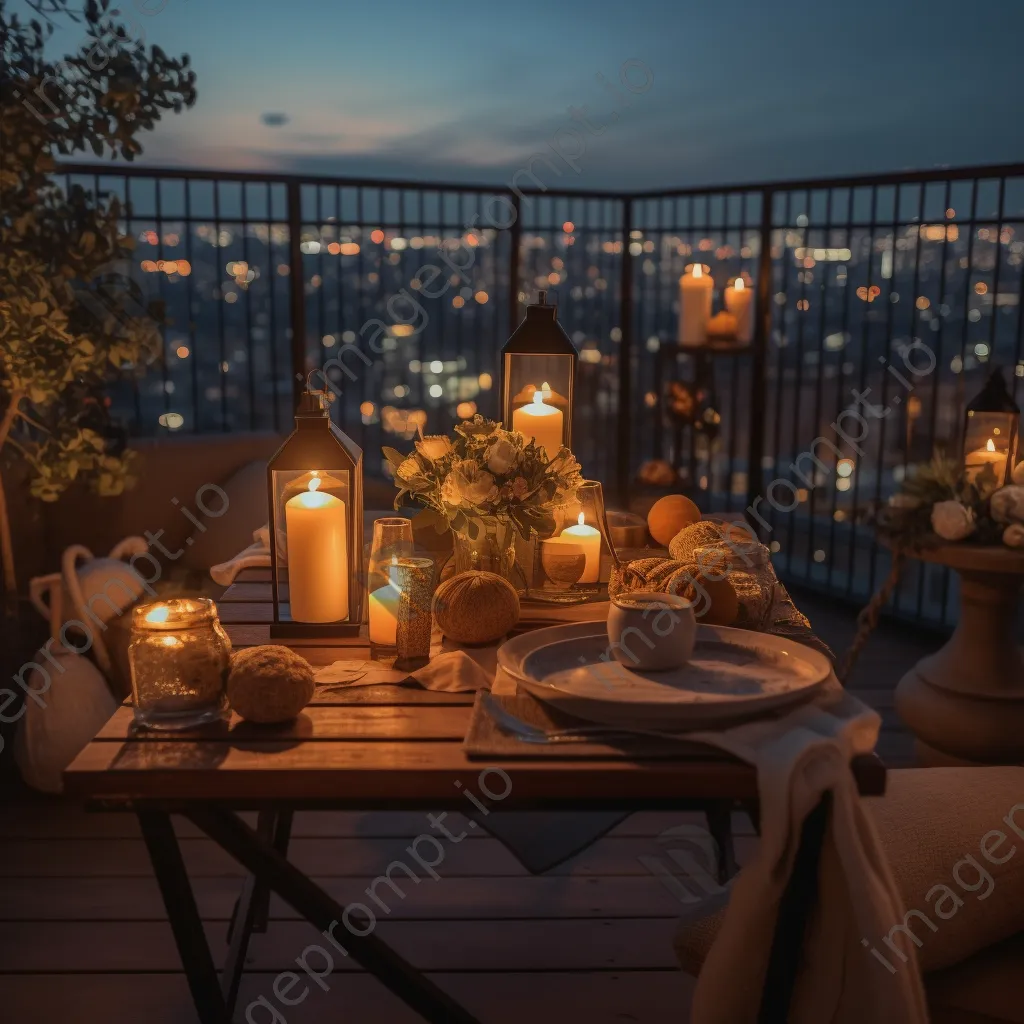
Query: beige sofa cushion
[
  {"x": 221, "y": 537},
  {"x": 943, "y": 831}
]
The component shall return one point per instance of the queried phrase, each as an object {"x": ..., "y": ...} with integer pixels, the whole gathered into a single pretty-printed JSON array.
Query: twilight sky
[{"x": 746, "y": 90}]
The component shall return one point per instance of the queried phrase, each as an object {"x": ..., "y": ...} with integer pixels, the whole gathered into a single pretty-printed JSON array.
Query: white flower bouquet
[
  {"x": 937, "y": 505},
  {"x": 486, "y": 472}
]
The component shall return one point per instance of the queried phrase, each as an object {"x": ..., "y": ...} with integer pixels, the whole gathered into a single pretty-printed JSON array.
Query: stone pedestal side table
[{"x": 965, "y": 703}]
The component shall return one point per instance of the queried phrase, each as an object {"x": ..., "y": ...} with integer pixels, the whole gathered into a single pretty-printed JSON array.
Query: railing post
[
  {"x": 514, "y": 239},
  {"x": 762, "y": 335},
  {"x": 624, "y": 422},
  {"x": 297, "y": 303}
]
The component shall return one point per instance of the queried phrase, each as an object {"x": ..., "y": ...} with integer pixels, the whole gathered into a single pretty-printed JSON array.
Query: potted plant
[{"x": 70, "y": 317}]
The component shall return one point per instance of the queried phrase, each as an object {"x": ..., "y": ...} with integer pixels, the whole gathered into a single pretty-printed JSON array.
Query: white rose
[
  {"x": 434, "y": 448},
  {"x": 450, "y": 493},
  {"x": 501, "y": 456},
  {"x": 951, "y": 520},
  {"x": 1013, "y": 536},
  {"x": 475, "y": 485},
  {"x": 1007, "y": 504}
]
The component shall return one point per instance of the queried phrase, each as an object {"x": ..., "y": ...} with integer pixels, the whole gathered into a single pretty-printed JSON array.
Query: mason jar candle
[{"x": 179, "y": 656}]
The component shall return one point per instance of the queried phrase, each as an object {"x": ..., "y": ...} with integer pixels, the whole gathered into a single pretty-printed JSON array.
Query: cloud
[{"x": 274, "y": 120}]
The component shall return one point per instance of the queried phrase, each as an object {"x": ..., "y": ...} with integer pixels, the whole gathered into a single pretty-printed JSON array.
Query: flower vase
[{"x": 487, "y": 544}]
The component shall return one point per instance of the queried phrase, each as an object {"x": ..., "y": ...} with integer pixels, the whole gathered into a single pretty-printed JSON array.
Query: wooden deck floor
[{"x": 84, "y": 940}]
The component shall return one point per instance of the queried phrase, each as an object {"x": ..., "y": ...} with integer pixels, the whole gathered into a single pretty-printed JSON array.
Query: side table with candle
[{"x": 965, "y": 703}]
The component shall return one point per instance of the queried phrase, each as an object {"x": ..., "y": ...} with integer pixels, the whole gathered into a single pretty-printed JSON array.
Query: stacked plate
[{"x": 734, "y": 674}]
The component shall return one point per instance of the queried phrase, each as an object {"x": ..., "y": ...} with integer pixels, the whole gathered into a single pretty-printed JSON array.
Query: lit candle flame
[
  {"x": 698, "y": 270},
  {"x": 740, "y": 284},
  {"x": 394, "y": 559},
  {"x": 314, "y": 483},
  {"x": 545, "y": 389},
  {"x": 160, "y": 613},
  {"x": 580, "y": 520},
  {"x": 991, "y": 446}
]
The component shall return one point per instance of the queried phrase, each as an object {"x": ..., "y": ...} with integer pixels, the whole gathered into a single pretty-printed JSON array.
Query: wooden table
[
  {"x": 379, "y": 748},
  {"x": 966, "y": 701}
]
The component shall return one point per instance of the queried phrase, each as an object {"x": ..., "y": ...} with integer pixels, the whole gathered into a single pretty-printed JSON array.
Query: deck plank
[{"x": 647, "y": 997}]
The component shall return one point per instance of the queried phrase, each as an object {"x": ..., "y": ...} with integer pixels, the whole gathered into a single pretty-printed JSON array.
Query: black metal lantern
[
  {"x": 538, "y": 375},
  {"x": 990, "y": 435},
  {"x": 315, "y": 483}
]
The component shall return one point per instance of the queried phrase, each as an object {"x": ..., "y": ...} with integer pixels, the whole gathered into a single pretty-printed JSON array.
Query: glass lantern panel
[
  {"x": 989, "y": 440},
  {"x": 539, "y": 397},
  {"x": 313, "y": 526}
]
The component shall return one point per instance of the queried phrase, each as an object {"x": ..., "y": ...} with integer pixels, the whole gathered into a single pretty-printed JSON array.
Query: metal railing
[{"x": 267, "y": 277}]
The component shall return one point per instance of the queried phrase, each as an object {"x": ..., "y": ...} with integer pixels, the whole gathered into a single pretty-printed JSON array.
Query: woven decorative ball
[
  {"x": 669, "y": 515},
  {"x": 476, "y": 607},
  {"x": 755, "y": 599},
  {"x": 683, "y": 545},
  {"x": 269, "y": 684}
]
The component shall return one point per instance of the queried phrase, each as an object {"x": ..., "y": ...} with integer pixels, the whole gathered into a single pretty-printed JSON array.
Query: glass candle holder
[
  {"x": 589, "y": 530},
  {"x": 179, "y": 656},
  {"x": 392, "y": 542},
  {"x": 414, "y": 578}
]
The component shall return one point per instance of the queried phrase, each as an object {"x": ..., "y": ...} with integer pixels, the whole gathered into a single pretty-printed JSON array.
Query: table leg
[
  {"x": 795, "y": 908},
  {"x": 183, "y": 915},
  {"x": 317, "y": 907}
]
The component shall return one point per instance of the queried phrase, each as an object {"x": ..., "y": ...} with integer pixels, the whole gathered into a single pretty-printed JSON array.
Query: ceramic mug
[{"x": 650, "y": 631}]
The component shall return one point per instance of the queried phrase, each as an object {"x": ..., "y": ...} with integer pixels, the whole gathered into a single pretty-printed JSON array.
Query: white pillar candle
[
  {"x": 739, "y": 300},
  {"x": 317, "y": 556},
  {"x": 589, "y": 539},
  {"x": 695, "y": 294},
  {"x": 540, "y": 421}
]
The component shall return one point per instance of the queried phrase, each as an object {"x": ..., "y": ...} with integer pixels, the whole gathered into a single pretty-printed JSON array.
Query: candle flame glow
[
  {"x": 314, "y": 483},
  {"x": 580, "y": 519},
  {"x": 991, "y": 446},
  {"x": 740, "y": 284},
  {"x": 698, "y": 270},
  {"x": 158, "y": 614},
  {"x": 394, "y": 559},
  {"x": 545, "y": 389}
]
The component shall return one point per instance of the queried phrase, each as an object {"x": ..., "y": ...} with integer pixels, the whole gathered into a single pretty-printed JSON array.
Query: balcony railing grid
[{"x": 403, "y": 293}]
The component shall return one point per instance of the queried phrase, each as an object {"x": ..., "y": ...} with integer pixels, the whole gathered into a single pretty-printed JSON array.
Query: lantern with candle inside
[
  {"x": 392, "y": 541},
  {"x": 739, "y": 300},
  {"x": 538, "y": 366},
  {"x": 990, "y": 436},
  {"x": 696, "y": 291},
  {"x": 316, "y": 527}
]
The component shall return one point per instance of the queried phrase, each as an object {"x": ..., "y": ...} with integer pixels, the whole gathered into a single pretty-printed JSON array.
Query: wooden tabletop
[{"x": 374, "y": 747}]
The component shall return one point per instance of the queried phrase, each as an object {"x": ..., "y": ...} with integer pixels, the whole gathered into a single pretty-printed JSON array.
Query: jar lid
[{"x": 174, "y": 613}]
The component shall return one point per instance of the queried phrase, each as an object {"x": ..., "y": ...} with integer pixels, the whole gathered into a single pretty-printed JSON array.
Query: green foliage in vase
[
  {"x": 486, "y": 472},
  {"x": 70, "y": 317}
]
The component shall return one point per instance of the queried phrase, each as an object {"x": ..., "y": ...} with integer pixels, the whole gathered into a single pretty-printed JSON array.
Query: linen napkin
[
  {"x": 799, "y": 757},
  {"x": 449, "y": 671}
]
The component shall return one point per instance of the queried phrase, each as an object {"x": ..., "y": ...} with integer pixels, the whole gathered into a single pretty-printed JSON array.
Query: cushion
[
  {"x": 942, "y": 830},
  {"x": 221, "y": 537},
  {"x": 985, "y": 988}
]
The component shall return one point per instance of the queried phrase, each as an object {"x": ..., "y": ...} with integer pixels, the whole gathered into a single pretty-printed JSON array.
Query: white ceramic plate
[{"x": 734, "y": 673}]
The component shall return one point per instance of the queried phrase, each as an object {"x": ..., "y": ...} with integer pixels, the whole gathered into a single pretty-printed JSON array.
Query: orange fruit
[
  {"x": 669, "y": 515},
  {"x": 715, "y": 601}
]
